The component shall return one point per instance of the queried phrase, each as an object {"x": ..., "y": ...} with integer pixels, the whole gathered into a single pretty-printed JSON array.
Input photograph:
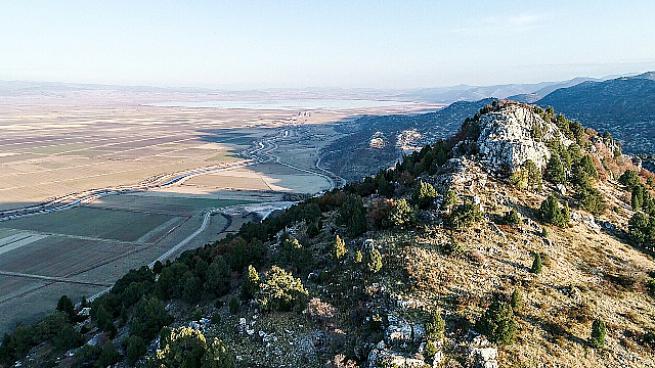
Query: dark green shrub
[
  {"x": 537, "y": 264},
  {"x": 598, "y": 333},
  {"x": 353, "y": 215},
  {"x": 234, "y": 305},
  {"x": 65, "y": 305},
  {"x": 555, "y": 170},
  {"x": 108, "y": 356},
  {"x": 148, "y": 318},
  {"x": 135, "y": 348},
  {"x": 590, "y": 199},
  {"x": 551, "y": 212},
  {"x": 465, "y": 215},
  {"x": 630, "y": 179},
  {"x": 424, "y": 195},
  {"x": 218, "y": 277},
  {"x": 512, "y": 218},
  {"x": 498, "y": 324}
]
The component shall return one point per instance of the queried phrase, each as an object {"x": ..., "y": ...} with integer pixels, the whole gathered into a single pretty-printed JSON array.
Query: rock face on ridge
[{"x": 513, "y": 135}]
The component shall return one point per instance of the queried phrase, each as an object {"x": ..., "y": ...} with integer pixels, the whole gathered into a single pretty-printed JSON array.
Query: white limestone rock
[{"x": 507, "y": 140}]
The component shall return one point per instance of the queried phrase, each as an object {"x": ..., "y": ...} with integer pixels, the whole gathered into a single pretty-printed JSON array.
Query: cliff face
[{"x": 513, "y": 135}]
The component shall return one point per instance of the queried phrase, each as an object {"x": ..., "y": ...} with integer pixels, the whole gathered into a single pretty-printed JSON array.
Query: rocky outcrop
[
  {"x": 481, "y": 353},
  {"x": 514, "y": 134}
]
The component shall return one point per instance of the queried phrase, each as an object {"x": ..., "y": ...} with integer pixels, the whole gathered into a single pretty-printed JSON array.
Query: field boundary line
[{"x": 52, "y": 278}]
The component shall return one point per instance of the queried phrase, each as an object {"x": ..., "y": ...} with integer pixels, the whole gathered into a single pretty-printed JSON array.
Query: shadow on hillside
[{"x": 554, "y": 330}]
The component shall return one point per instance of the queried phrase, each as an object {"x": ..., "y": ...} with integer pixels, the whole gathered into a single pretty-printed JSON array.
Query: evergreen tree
[
  {"x": 512, "y": 217},
  {"x": 353, "y": 215},
  {"x": 385, "y": 188},
  {"x": 641, "y": 228},
  {"x": 104, "y": 319},
  {"x": 374, "y": 263},
  {"x": 234, "y": 305},
  {"x": 551, "y": 212},
  {"x": 135, "y": 348},
  {"x": 498, "y": 324},
  {"x": 401, "y": 213},
  {"x": 555, "y": 171},
  {"x": 629, "y": 178},
  {"x": 218, "y": 277},
  {"x": 637, "y": 197},
  {"x": 449, "y": 200},
  {"x": 65, "y": 305},
  {"x": 517, "y": 300},
  {"x": 359, "y": 256},
  {"x": 536, "y": 264},
  {"x": 338, "y": 248},
  {"x": 598, "y": 332},
  {"x": 281, "y": 291},
  {"x": 587, "y": 166},
  {"x": 424, "y": 195},
  {"x": 148, "y": 318},
  {"x": 590, "y": 198},
  {"x": 251, "y": 283},
  {"x": 435, "y": 329}
]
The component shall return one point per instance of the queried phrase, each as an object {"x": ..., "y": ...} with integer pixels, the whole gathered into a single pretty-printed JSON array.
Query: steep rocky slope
[{"x": 506, "y": 245}]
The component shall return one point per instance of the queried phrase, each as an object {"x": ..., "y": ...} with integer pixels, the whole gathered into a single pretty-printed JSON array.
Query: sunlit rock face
[{"x": 513, "y": 135}]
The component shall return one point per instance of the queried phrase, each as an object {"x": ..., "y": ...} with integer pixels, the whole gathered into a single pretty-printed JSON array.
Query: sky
[{"x": 349, "y": 44}]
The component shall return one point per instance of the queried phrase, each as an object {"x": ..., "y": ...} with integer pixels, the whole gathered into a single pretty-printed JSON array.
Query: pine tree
[
  {"x": 338, "y": 248},
  {"x": 66, "y": 306},
  {"x": 536, "y": 264},
  {"x": 498, "y": 324},
  {"x": 250, "y": 284},
  {"x": 401, "y": 213},
  {"x": 359, "y": 256},
  {"x": 353, "y": 214},
  {"x": 551, "y": 212},
  {"x": 555, "y": 171},
  {"x": 424, "y": 195},
  {"x": 449, "y": 200},
  {"x": 434, "y": 330},
  {"x": 517, "y": 300},
  {"x": 374, "y": 261},
  {"x": 598, "y": 332}
]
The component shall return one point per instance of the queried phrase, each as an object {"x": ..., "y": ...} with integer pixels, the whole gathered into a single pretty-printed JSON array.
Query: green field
[
  {"x": 172, "y": 205},
  {"x": 92, "y": 222},
  {"x": 61, "y": 256}
]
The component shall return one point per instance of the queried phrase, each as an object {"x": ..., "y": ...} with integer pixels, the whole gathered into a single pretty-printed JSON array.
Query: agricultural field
[
  {"x": 95, "y": 183},
  {"x": 83, "y": 250}
]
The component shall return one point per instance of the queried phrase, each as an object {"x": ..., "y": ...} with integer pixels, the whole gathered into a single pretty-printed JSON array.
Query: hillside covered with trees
[{"x": 525, "y": 239}]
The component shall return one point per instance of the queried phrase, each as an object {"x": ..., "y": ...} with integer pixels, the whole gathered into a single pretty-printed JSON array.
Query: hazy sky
[{"x": 356, "y": 43}]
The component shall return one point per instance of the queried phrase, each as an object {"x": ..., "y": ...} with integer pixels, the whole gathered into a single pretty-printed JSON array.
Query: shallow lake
[{"x": 286, "y": 104}]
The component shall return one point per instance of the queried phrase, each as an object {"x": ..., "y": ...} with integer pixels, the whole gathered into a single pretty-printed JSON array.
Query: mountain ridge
[{"x": 505, "y": 244}]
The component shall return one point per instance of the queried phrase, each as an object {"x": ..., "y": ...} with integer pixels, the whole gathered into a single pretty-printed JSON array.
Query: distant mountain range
[
  {"x": 519, "y": 92},
  {"x": 623, "y": 106}
]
